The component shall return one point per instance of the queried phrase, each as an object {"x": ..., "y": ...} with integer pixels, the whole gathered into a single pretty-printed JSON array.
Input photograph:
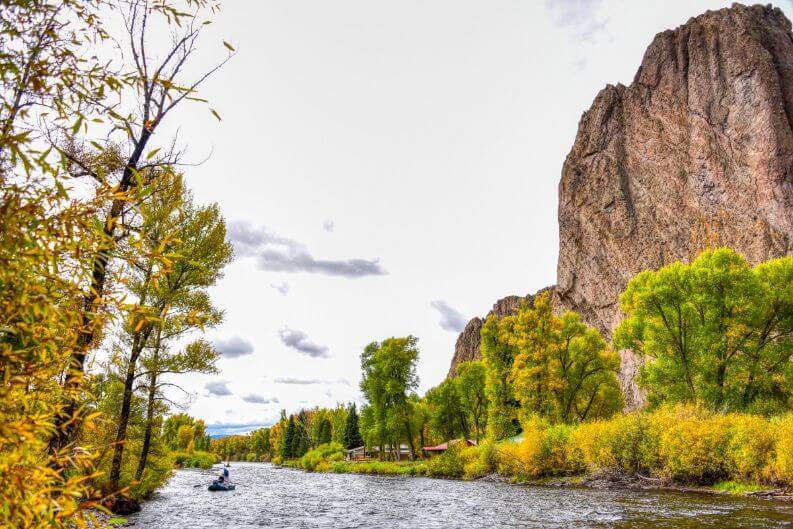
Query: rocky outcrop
[
  {"x": 467, "y": 346},
  {"x": 697, "y": 152}
]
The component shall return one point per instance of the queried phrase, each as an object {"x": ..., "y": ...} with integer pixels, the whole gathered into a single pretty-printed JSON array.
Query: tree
[
  {"x": 352, "y": 434},
  {"x": 498, "y": 357},
  {"x": 171, "y": 427},
  {"x": 158, "y": 87},
  {"x": 287, "y": 450},
  {"x": 447, "y": 415},
  {"x": 715, "y": 331},
  {"x": 324, "y": 436},
  {"x": 563, "y": 370},
  {"x": 471, "y": 378},
  {"x": 389, "y": 374},
  {"x": 171, "y": 300}
]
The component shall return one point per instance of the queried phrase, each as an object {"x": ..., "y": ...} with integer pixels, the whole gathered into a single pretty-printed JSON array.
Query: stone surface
[{"x": 697, "y": 152}]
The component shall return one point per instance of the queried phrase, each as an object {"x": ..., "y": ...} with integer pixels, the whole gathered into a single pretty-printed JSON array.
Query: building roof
[{"x": 445, "y": 446}]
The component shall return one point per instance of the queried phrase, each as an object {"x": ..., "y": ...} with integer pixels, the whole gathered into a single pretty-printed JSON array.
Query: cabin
[
  {"x": 356, "y": 454},
  {"x": 360, "y": 453},
  {"x": 441, "y": 448}
]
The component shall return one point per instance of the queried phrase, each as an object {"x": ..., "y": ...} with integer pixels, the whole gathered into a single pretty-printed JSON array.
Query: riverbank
[{"x": 600, "y": 480}]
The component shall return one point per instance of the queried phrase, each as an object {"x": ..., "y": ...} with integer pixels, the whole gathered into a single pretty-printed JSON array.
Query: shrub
[
  {"x": 195, "y": 459},
  {"x": 478, "y": 461},
  {"x": 783, "y": 465},
  {"x": 612, "y": 444},
  {"x": 448, "y": 464},
  {"x": 318, "y": 458}
]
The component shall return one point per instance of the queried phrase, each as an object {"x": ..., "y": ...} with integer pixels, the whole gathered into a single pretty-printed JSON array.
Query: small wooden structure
[
  {"x": 361, "y": 453},
  {"x": 441, "y": 448},
  {"x": 356, "y": 454}
]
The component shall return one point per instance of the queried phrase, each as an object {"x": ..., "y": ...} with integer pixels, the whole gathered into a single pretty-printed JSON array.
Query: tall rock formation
[{"x": 697, "y": 152}]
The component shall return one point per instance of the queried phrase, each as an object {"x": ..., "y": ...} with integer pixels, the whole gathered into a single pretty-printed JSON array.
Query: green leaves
[{"x": 715, "y": 331}]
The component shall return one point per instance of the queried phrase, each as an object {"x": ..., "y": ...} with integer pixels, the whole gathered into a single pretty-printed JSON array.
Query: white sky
[{"x": 428, "y": 135}]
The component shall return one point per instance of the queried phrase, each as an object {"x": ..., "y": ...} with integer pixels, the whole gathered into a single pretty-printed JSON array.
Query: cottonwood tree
[
  {"x": 715, "y": 331},
  {"x": 563, "y": 370},
  {"x": 172, "y": 300},
  {"x": 471, "y": 379},
  {"x": 389, "y": 376},
  {"x": 447, "y": 414},
  {"x": 157, "y": 87}
]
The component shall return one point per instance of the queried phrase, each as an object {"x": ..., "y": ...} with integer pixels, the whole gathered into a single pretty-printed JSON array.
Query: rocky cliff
[{"x": 696, "y": 152}]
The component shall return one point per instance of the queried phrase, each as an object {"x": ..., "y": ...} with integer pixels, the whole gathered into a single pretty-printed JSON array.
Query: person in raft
[{"x": 225, "y": 475}]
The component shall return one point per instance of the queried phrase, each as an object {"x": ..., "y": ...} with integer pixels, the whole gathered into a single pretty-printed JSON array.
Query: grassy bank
[{"x": 676, "y": 446}]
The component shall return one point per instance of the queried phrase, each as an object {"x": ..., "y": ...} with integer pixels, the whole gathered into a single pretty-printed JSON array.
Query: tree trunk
[
  {"x": 68, "y": 420},
  {"x": 144, "y": 453},
  {"x": 126, "y": 405}
]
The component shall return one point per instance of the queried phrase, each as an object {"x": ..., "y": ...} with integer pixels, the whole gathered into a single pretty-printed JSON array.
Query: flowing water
[{"x": 267, "y": 496}]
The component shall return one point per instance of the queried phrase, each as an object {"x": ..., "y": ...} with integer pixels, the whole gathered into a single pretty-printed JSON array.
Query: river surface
[{"x": 267, "y": 496}]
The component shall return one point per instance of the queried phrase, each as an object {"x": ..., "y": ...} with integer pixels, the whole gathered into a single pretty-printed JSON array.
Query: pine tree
[
  {"x": 289, "y": 439},
  {"x": 352, "y": 434}
]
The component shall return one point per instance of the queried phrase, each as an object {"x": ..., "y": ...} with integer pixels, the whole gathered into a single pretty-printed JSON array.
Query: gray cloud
[
  {"x": 233, "y": 347},
  {"x": 298, "y": 381},
  {"x": 298, "y": 340},
  {"x": 578, "y": 15},
  {"x": 283, "y": 288},
  {"x": 309, "y": 381},
  {"x": 281, "y": 254},
  {"x": 258, "y": 399},
  {"x": 218, "y": 388},
  {"x": 329, "y": 225},
  {"x": 451, "y": 319}
]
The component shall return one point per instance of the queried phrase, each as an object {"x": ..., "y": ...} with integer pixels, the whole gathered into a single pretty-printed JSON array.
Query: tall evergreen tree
[
  {"x": 289, "y": 438},
  {"x": 352, "y": 434}
]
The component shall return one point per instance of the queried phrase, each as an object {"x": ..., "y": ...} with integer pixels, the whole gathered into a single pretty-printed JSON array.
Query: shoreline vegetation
[
  {"x": 662, "y": 450},
  {"x": 544, "y": 406}
]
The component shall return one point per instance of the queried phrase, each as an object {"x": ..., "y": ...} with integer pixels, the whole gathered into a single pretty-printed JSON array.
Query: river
[{"x": 267, "y": 496}]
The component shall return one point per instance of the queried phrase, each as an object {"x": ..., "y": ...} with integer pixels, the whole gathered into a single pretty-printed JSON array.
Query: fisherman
[{"x": 225, "y": 473}]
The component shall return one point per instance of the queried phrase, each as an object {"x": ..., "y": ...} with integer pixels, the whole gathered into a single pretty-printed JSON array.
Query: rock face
[
  {"x": 467, "y": 346},
  {"x": 697, "y": 152}
]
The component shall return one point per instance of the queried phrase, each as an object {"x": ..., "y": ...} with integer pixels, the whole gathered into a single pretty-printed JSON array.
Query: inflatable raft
[{"x": 216, "y": 485}]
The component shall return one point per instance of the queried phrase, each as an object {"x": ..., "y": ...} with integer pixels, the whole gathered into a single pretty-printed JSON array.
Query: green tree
[
  {"x": 563, "y": 370},
  {"x": 170, "y": 429},
  {"x": 352, "y": 434},
  {"x": 715, "y": 331},
  {"x": 498, "y": 356},
  {"x": 389, "y": 375},
  {"x": 447, "y": 415},
  {"x": 287, "y": 451},
  {"x": 471, "y": 383}
]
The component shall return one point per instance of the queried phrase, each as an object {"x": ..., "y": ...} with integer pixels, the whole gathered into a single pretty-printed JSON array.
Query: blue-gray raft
[{"x": 216, "y": 485}]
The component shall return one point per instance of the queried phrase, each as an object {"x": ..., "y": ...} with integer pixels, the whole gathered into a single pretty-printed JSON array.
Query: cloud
[
  {"x": 283, "y": 288},
  {"x": 218, "y": 388},
  {"x": 233, "y": 347},
  {"x": 329, "y": 225},
  {"x": 223, "y": 430},
  {"x": 298, "y": 340},
  {"x": 451, "y": 319},
  {"x": 578, "y": 15},
  {"x": 276, "y": 253},
  {"x": 298, "y": 381},
  {"x": 258, "y": 399},
  {"x": 308, "y": 381}
]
